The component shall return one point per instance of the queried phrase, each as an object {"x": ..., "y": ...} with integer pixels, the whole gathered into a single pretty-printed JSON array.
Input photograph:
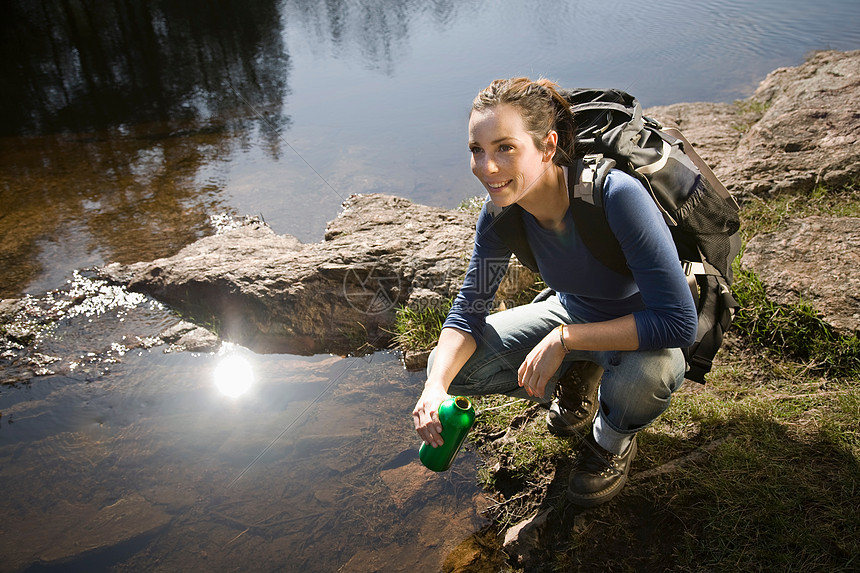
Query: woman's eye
[
  {"x": 506, "y": 147},
  {"x": 475, "y": 150}
]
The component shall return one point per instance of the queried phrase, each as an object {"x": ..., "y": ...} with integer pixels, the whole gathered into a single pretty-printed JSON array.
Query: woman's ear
[{"x": 550, "y": 145}]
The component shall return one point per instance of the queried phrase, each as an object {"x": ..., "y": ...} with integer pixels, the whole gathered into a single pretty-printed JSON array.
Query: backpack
[{"x": 701, "y": 214}]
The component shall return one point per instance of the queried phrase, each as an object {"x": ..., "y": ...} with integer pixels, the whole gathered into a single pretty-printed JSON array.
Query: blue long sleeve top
[{"x": 657, "y": 294}]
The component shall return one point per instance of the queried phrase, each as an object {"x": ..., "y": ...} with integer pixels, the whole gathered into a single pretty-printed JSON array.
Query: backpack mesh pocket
[{"x": 712, "y": 220}]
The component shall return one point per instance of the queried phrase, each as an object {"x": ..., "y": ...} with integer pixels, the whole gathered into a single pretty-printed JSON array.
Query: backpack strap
[
  {"x": 703, "y": 167},
  {"x": 585, "y": 186}
]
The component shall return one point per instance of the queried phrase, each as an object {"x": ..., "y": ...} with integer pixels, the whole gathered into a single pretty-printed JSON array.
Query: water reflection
[
  {"x": 87, "y": 65},
  {"x": 124, "y": 103},
  {"x": 374, "y": 34},
  {"x": 73, "y": 201},
  {"x": 316, "y": 470}
]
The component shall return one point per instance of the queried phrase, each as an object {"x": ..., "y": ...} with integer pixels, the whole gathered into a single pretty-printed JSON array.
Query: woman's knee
[{"x": 641, "y": 384}]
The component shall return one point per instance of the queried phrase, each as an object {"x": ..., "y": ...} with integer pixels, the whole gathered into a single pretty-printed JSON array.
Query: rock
[
  {"x": 187, "y": 337},
  {"x": 16, "y": 323},
  {"x": 800, "y": 128},
  {"x": 815, "y": 260},
  {"x": 406, "y": 483},
  {"x": 272, "y": 292},
  {"x": 415, "y": 360},
  {"x": 517, "y": 279},
  {"x": 808, "y": 135},
  {"x": 122, "y": 522},
  {"x": 10, "y": 308},
  {"x": 524, "y": 536}
]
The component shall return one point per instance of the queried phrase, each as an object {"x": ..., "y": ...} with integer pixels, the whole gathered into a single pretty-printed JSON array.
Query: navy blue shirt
[{"x": 657, "y": 294}]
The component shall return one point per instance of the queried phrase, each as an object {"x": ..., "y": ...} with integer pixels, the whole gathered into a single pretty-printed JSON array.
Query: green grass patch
[
  {"x": 776, "y": 489},
  {"x": 752, "y": 106},
  {"x": 764, "y": 216},
  {"x": 780, "y": 490},
  {"x": 531, "y": 453},
  {"x": 749, "y": 111},
  {"x": 779, "y": 494},
  {"x": 794, "y": 330},
  {"x": 418, "y": 330}
]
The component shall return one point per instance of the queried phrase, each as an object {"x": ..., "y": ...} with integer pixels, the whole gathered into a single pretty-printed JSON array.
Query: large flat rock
[{"x": 272, "y": 292}]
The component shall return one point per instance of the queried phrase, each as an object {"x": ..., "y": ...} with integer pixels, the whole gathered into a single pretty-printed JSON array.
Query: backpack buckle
[
  {"x": 594, "y": 170},
  {"x": 584, "y": 188}
]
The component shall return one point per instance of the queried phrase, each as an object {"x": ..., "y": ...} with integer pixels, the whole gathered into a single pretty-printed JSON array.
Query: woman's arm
[
  {"x": 454, "y": 349},
  {"x": 463, "y": 325},
  {"x": 669, "y": 319},
  {"x": 545, "y": 358}
]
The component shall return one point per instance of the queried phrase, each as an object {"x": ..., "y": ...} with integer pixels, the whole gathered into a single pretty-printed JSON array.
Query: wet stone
[
  {"x": 187, "y": 337},
  {"x": 128, "y": 519}
]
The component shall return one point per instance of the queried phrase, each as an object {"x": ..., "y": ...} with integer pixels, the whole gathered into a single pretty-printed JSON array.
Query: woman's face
[{"x": 504, "y": 156}]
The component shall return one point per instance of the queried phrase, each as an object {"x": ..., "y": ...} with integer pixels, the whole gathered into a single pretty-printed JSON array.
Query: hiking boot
[
  {"x": 575, "y": 403},
  {"x": 598, "y": 475}
]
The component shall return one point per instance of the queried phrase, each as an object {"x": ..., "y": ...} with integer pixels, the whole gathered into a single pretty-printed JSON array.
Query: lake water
[{"x": 125, "y": 128}]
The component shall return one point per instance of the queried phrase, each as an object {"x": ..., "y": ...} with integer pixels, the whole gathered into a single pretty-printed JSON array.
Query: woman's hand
[
  {"x": 541, "y": 364},
  {"x": 426, "y": 415}
]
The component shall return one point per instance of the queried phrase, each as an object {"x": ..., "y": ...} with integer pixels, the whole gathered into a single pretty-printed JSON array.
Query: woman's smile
[{"x": 498, "y": 186}]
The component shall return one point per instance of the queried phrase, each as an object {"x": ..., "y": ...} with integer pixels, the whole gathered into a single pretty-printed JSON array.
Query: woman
[{"x": 521, "y": 141}]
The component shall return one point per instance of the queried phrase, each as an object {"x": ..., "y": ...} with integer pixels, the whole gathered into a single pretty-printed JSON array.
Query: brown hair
[{"x": 541, "y": 106}]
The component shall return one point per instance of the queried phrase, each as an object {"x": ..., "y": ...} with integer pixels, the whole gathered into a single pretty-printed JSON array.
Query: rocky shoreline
[{"x": 272, "y": 293}]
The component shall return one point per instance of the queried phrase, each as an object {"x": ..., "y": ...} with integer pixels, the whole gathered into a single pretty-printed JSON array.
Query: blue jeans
[{"x": 635, "y": 389}]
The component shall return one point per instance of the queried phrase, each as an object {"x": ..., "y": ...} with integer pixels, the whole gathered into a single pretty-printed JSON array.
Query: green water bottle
[{"x": 456, "y": 416}]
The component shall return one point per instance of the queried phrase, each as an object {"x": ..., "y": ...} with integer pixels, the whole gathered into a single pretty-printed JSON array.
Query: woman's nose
[{"x": 488, "y": 165}]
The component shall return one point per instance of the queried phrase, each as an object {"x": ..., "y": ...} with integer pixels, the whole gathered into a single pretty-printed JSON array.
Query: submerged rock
[{"x": 128, "y": 521}]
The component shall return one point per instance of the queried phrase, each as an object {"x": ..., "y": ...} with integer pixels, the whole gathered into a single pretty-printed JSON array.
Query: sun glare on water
[{"x": 234, "y": 375}]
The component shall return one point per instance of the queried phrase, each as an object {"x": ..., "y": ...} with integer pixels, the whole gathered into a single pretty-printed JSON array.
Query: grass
[
  {"x": 418, "y": 330},
  {"x": 529, "y": 455},
  {"x": 796, "y": 330},
  {"x": 780, "y": 492},
  {"x": 764, "y": 216},
  {"x": 748, "y": 112}
]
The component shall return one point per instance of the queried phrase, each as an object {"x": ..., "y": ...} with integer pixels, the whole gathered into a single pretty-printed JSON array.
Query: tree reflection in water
[
  {"x": 120, "y": 104},
  {"x": 111, "y": 110}
]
